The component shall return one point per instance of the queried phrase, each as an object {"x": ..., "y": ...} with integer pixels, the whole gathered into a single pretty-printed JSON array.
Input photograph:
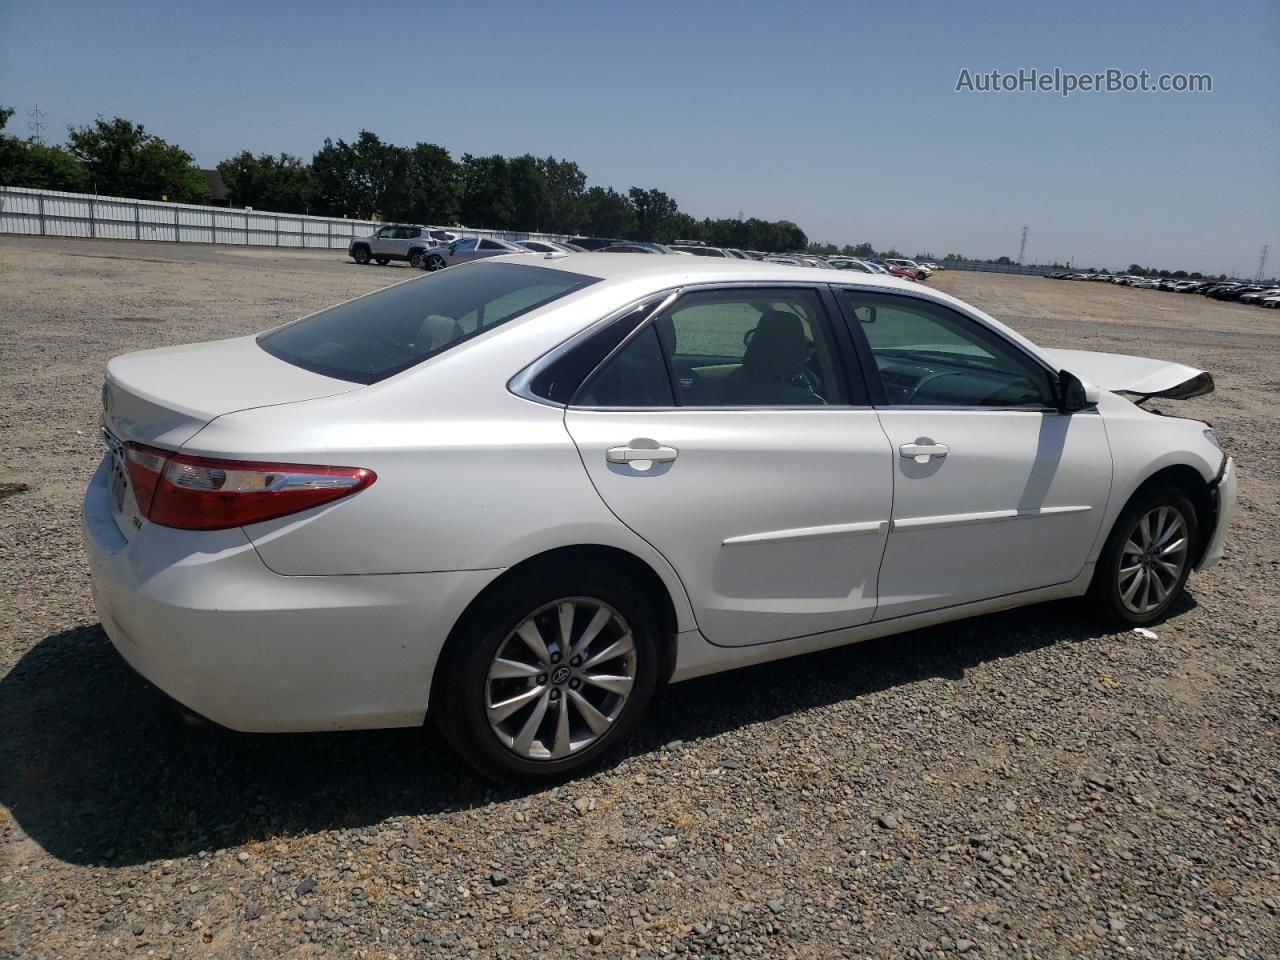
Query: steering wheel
[{"x": 927, "y": 379}]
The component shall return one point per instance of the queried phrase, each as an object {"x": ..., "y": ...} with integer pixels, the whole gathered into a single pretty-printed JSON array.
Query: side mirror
[{"x": 1074, "y": 394}]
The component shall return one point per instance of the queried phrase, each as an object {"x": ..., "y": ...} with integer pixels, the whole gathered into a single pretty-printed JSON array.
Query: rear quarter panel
[{"x": 469, "y": 476}]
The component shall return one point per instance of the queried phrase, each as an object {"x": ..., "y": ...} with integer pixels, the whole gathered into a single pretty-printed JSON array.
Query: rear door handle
[
  {"x": 923, "y": 452},
  {"x": 641, "y": 457}
]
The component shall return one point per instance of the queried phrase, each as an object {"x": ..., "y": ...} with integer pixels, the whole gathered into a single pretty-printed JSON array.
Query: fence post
[
  {"x": 40, "y": 211},
  {"x": 137, "y": 221},
  {"x": 328, "y": 234},
  {"x": 246, "y": 228},
  {"x": 93, "y": 217},
  {"x": 177, "y": 227},
  {"x": 276, "y": 220}
]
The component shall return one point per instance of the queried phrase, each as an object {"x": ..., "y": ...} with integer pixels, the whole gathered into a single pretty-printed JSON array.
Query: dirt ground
[{"x": 1021, "y": 785}]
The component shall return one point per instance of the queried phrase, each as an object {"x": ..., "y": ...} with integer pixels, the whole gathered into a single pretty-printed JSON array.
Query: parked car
[
  {"x": 545, "y": 246},
  {"x": 638, "y": 247},
  {"x": 468, "y": 249},
  {"x": 397, "y": 241},
  {"x": 523, "y": 494},
  {"x": 921, "y": 272},
  {"x": 851, "y": 263},
  {"x": 1257, "y": 296},
  {"x": 594, "y": 243},
  {"x": 699, "y": 250}
]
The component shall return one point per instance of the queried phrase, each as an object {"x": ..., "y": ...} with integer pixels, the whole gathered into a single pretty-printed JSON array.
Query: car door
[
  {"x": 995, "y": 490},
  {"x": 490, "y": 248},
  {"x": 462, "y": 251},
  {"x": 381, "y": 242},
  {"x": 727, "y": 433}
]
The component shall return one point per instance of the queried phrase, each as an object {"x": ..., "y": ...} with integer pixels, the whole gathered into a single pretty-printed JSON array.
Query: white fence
[{"x": 51, "y": 213}]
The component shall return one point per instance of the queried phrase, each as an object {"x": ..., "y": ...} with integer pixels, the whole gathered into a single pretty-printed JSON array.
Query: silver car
[
  {"x": 397, "y": 241},
  {"x": 467, "y": 249}
]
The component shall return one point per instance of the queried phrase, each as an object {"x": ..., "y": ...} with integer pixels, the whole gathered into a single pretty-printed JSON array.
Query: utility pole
[
  {"x": 1022, "y": 250},
  {"x": 1262, "y": 262},
  {"x": 35, "y": 124}
]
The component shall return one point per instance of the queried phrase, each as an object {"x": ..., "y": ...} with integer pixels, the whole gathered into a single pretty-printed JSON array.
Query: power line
[{"x": 35, "y": 124}]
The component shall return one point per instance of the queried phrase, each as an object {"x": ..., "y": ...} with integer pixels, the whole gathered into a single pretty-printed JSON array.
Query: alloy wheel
[
  {"x": 560, "y": 679},
  {"x": 1152, "y": 559}
]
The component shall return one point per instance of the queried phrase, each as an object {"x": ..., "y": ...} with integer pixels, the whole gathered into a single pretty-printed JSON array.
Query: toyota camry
[{"x": 521, "y": 494}]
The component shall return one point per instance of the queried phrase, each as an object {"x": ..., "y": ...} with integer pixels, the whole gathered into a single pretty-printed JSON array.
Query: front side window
[
  {"x": 490, "y": 245},
  {"x": 385, "y": 233},
  {"x": 378, "y": 335},
  {"x": 929, "y": 355},
  {"x": 464, "y": 245},
  {"x": 753, "y": 347}
]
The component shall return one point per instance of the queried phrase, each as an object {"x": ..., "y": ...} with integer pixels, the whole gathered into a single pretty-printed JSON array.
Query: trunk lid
[
  {"x": 166, "y": 396},
  {"x": 1141, "y": 376}
]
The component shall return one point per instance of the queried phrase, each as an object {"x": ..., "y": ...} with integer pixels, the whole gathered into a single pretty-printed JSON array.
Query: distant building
[{"x": 219, "y": 195}]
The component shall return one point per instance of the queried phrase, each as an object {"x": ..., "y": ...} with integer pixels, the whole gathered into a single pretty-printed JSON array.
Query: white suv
[{"x": 398, "y": 241}]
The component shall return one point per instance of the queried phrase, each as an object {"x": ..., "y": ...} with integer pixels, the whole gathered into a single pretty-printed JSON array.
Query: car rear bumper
[
  {"x": 200, "y": 616},
  {"x": 1224, "y": 510}
]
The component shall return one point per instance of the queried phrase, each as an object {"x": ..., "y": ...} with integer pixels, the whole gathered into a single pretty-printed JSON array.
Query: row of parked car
[
  {"x": 434, "y": 248},
  {"x": 1258, "y": 294}
]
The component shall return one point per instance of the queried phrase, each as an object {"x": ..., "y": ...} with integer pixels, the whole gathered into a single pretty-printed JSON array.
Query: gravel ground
[{"x": 1021, "y": 785}]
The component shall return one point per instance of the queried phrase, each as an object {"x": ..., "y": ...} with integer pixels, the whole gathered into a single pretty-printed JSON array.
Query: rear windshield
[{"x": 376, "y": 336}]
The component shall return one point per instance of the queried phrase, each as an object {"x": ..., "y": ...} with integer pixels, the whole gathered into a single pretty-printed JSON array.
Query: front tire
[
  {"x": 551, "y": 675},
  {"x": 360, "y": 255},
  {"x": 383, "y": 261},
  {"x": 435, "y": 262},
  {"x": 1146, "y": 561}
]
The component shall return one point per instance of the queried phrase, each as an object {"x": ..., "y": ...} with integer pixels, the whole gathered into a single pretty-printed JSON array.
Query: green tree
[
  {"x": 282, "y": 184},
  {"x": 653, "y": 211},
  {"x": 487, "y": 198},
  {"x": 436, "y": 185},
  {"x": 26, "y": 163},
  {"x": 123, "y": 160},
  {"x": 530, "y": 194},
  {"x": 607, "y": 213},
  {"x": 566, "y": 184}
]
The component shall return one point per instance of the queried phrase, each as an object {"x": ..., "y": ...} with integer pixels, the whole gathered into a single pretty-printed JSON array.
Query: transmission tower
[
  {"x": 1262, "y": 262},
  {"x": 1022, "y": 250},
  {"x": 35, "y": 123}
]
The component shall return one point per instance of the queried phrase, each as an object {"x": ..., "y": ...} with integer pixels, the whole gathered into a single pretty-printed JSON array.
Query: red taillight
[
  {"x": 203, "y": 493},
  {"x": 145, "y": 465}
]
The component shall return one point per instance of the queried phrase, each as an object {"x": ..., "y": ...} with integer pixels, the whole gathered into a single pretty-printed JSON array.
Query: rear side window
[{"x": 379, "y": 335}]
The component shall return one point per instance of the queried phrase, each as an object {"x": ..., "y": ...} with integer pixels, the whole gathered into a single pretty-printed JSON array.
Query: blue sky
[{"x": 843, "y": 116}]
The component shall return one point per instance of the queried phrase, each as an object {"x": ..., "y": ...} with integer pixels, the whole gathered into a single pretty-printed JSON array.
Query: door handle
[
  {"x": 922, "y": 452},
  {"x": 641, "y": 455}
]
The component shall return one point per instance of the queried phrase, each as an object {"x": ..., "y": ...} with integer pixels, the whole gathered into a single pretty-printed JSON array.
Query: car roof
[{"x": 678, "y": 270}]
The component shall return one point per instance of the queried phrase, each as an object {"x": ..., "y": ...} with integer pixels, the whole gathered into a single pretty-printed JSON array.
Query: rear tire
[
  {"x": 415, "y": 259},
  {"x": 1145, "y": 563},
  {"x": 383, "y": 261},
  {"x": 360, "y": 255},
  {"x": 551, "y": 674}
]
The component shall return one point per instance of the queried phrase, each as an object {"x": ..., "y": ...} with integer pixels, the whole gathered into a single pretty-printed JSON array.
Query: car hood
[{"x": 1142, "y": 376}]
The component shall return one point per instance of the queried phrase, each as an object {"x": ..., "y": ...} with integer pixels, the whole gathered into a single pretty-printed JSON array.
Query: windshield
[{"x": 373, "y": 337}]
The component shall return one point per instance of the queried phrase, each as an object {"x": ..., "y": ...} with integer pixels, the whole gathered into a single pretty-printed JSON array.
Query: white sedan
[{"x": 524, "y": 492}]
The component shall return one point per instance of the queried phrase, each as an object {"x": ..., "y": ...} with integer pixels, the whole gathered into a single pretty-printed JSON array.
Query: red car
[{"x": 903, "y": 272}]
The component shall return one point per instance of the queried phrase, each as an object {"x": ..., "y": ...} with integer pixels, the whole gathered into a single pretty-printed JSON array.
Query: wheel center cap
[{"x": 560, "y": 676}]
